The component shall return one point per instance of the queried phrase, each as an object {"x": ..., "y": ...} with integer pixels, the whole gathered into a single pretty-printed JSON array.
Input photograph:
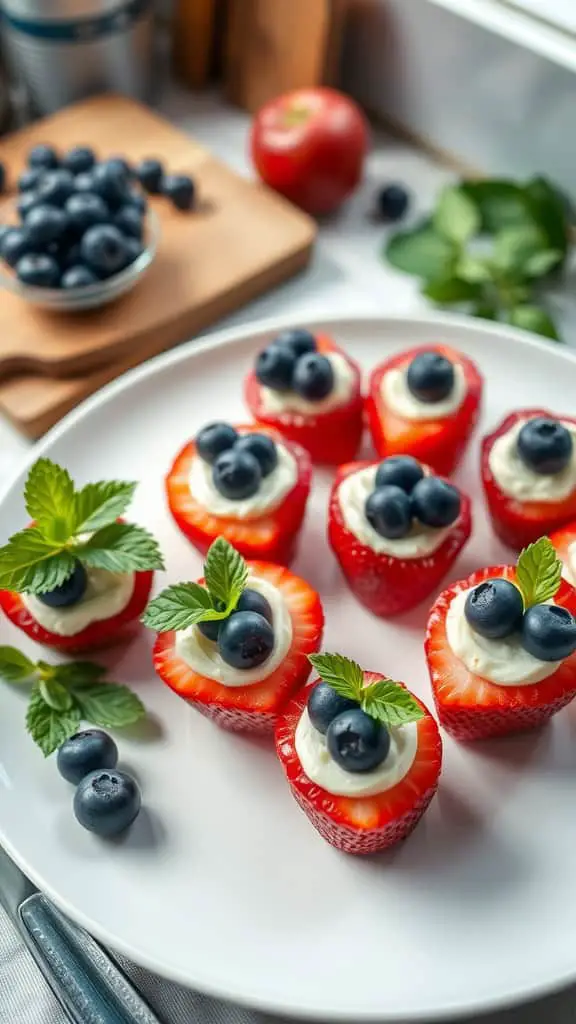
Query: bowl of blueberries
[{"x": 83, "y": 232}]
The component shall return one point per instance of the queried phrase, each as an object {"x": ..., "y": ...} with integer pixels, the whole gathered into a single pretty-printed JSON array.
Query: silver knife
[{"x": 88, "y": 984}]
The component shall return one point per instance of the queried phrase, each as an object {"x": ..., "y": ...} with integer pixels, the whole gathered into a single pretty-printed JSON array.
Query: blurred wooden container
[{"x": 193, "y": 40}]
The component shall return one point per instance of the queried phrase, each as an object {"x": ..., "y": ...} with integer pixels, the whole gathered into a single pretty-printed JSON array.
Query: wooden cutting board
[{"x": 241, "y": 241}]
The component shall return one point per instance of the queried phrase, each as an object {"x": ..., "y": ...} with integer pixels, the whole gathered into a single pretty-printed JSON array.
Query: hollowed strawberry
[{"x": 563, "y": 540}]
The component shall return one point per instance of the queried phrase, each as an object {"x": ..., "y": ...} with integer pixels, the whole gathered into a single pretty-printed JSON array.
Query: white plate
[{"x": 223, "y": 884}]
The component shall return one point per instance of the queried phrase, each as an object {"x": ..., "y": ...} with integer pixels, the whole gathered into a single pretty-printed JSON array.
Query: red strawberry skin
[
  {"x": 385, "y": 585},
  {"x": 271, "y": 537},
  {"x": 472, "y": 708},
  {"x": 330, "y": 437},
  {"x": 439, "y": 443},
  {"x": 562, "y": 540},
  {"x": 362, "y": 825},
  {"x": 519, "y": 523},
  {"x": 98, "y": 635},
  {"x": 251, "y": 708}
]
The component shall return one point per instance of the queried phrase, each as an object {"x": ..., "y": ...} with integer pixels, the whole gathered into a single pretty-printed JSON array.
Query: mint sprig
[
  {"x": 186, "y": 604},
  {"x": 388, "y": 702},
  {"x": 72, "y": 524},
  {"x": 63, "y": 696},
  {"x": 538, "y": 572}
]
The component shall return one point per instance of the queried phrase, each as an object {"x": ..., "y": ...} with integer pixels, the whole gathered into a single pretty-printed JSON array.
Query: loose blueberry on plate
[
  {"x": 26, "y": 202},
  {"x": 435, "y": 502},
  {"x": 298, "y": 339},
  {"x": 85, "y": 210},
  {"x": 78, "y": 277},
  {"x": 392, "y": 202},
  {"x": 86, "y": 752},
  {"x": 43, "y": 156},
  {"x": 245, "y": 640},
  {"x": 236, "y": 475},
  {"x": 357, "y": 742},
  {"x": 30, "y": 179},
  {"x": 313, "y": 377},
  {"x": 214, "y": 439},
  {"x": 15, "y": 244},
  {"x": 324, "y": 704},
  {"x": 150, "y": 173},
  {"x": 129, "y": 221},
  {"x": 275, "y": 367},
  {"x": 545, "y": 445},
  {"x": 103, "y": 249},
  {"x": 107, "y": 802},
  {"x": 430, "y": 377},
  {"x": 389, "y": 511},
  {"x": 79, "y": 159},
  {"x": 549, "y": 632},
  {"x": 494, "y": 609},
  {"x": 180, "y": 189},
  {"x": 262, "y": 447},
  {"x": 402, "y": 471},
  {"x": 38, "y": 270},
  {"x": 69, "y": 592},
  {"x": 45, "y": 224},
  {"x": 55, "y": 187}
]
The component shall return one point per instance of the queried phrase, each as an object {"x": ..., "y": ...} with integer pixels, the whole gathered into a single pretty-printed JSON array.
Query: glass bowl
[{"x": 91, "y": 296}]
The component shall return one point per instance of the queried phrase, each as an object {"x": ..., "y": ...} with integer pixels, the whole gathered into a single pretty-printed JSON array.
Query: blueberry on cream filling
[
  {"x": 430, "y": 377},
  {"x": 393, "y": 510},
  {"x": 545, "y": 445},
  {"x": 535, "y": 459},
  {"x": 428, "y": 387},
  {"x": 294, "y": 376}
]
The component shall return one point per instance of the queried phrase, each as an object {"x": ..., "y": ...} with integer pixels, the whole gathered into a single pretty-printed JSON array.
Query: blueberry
[
  {"x": 389, "y": 511},
  {"x": 324, "y": 704},
  {"x": 79, "y": 160},
  {"x": 71, "y": 256},
  {"x": 86, "y": 752},
  {"x": 549, "y": 632},
  {"x": 545, "y": 445},
  {"x": 262, "y": 448},
  {"x": 85, "y": 183},
  {"x": 15, "y": 244},
  {"x": 78, "y": 277},
  {"x": 298, "y": 339},
  {"x": 30, "y": 179},
  {"x": 392, "y": 202},
  {"x": 2, "y": 177},
  {"x": 253, "y": 601},
  {"x": 214, "y": 439},
  {"x": 43, "y": 156},
  {"x": 136, "y": 200},
  {"x": 494, "y": 609},
  {"x": 119, "y": 165},
  {"x": 313, "y": 377},
  {"x": 110, "y": 182},
  {"x": 26, "y": 202},
  {"x": 130, "y": 222},
  {"x": 435, "y": 502},
  {"x": 4, "y": 229},
  {"x": 245, "y": 640},
  {"x": 69, "y": 592},
  {"x": 180, "y": 189},
  {"x": 85, "y": 210},
  {"x": 103, "y": 249},
  {"x": 55, "y": 187},
  {"x": 38, "y": 270},
  {"x": 134, "y": 249},
  {"x": 357, "y": 742},
  {"x": 150, "y": 174},
  {"x": 430, "y": 377},
  {"x": 402, "y": 471},
  {"x": 107, "y": 802},
  {"x": 211, "y": 630},
  {"x": 45, "y": 224},
  {"x": 275, "y": 367},
  {"x": 236, "y": 475}
]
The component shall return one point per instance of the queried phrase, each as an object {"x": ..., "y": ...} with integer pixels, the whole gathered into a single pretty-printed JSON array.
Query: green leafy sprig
[
  {"x": 488, "y": 247},
  {"x": 386, "y": 701},
  {"x": 538, "y": 572},
  {"x": 63, "y": 696},
  {"x": 71, "y": 524},
  {"x": 186, "y": 604}
]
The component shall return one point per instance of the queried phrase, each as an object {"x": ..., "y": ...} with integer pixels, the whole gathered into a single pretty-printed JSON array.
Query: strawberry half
[
  {"x": 331, "y": 437},
  {"x": 99, "y": 634},
  {"x": 440, "y": 443},
  {"x": 469, "y": 706},
  {"x": 271, "y": 537},
  {"x": 362, "y": 824},
  {"x": 562, "y": 541},
  {"x": 387, "y": 585},
  {"x": 519, "y": 523},
  {"x": 251, "y": 708}
]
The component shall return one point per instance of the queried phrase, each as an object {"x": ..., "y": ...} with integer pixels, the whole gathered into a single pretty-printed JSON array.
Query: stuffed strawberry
[
  {"x": 396, "y": 530},
  {"x": 564, "y": 542},
  {"x": 362, "y": 755},
  {"x": 501, "y": 647},
  {"x": 310, "y": 391},
  {"x": 235, "y": 645},
  {"x": 529, "y": 475},
  {"x": 425, "y": 403},
  {"x": 77, "y": 578},
  {"x": 247, "y": 484}
]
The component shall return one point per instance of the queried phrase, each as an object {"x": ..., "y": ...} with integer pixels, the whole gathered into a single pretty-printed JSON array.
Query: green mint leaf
[
  {"x": 501, "y": 204},
  {"x": 49, "y": 498},
  {"x": 514, "y": 247},
  {"x": 422, "y": 252},
  {"x": 342, "y": 674},
  {"x": 97, "y": 505},
  {"x": 55, "y": 695},
  {"x": 538, "y": 572},
  {"x": 549, "y": 210},
  {"x": 77, "y": 673},
  {"x": 15, "y": 667},
  {"x": 541, "y": 263},
  {"x": 48, "y": 727},
  {"x": 533, "y": 318},
  {"x": 30, "y": 563},
  {"x": 109, "y": 705},
  {"x": 456, "y": 217},
  {"x": 390, "y": 703},
  {"x": 225, "y": 572},
  {"x": 121, "y": 547},
  {"x": 473, "y": 269},
  {"x": 180, "y": 606},
  {"x": 485, "y": 310},
  {"x": 451, "y": 289}
]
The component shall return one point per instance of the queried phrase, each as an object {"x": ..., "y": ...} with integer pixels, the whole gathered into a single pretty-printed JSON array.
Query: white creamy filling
[
  {"x": 504, "y": 662},
  {"x": 397, "y": 396},
  {"x": 320, "y": 767},
  {"x": 203, "y": 657},
  {"x": 276, "y": 402},
  {"x": 518, "y": 481},
  {"x": 271, "y": 492},
  {"x": 352, "y": 494},
  {"x": 107, "y": 594},
  {"x": 569, "y": 566}
]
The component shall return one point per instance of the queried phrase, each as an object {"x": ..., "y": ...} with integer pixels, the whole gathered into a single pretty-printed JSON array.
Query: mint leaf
[
  {"x": 99, "y": 504},
  {"x": 15, "y": 667},
  {"x": 390, "y": 703},
  {"x": 514, "y": 247},
  {"x": 485, "y": 310},
  {"x": 538, "y": 572},
  {"x": 30, "y": 563},
  {"x": 501, "y": 204},
  {"x": 109, "y": 705},
  {"x": 342, "y": 674},
  {"x": 473, "y": 269},
  {"x": 541, "y": 263},
  {"x": 49, "y": 499},
  {"x": 422, "y": 252},
  {"x": 532, "y": 318},
  {"x": 457, "y": 216},
  {"x": 451, "y": 289},
  {"x": 225, "y": 572},
  {"x": 55, "y": 695},
  {"x": 77, "y": 673},
  {"x": 48, "y": 727},
  {"x": 121, "y": 547},
  {"x": 180, "y": 606},
  {"x": 548, "y": 208}
]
